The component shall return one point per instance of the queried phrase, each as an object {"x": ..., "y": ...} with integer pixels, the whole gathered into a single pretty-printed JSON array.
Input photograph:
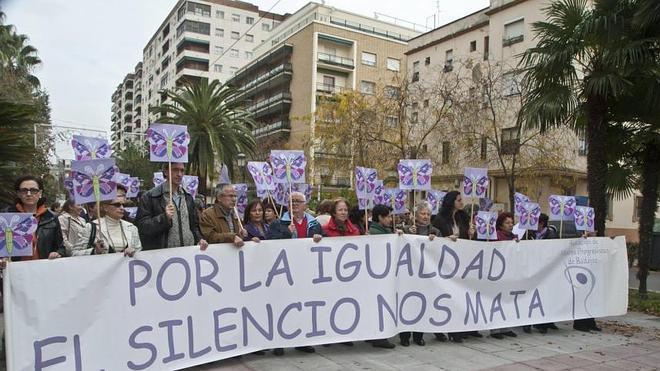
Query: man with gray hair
[{"x": 219, "y": 224}]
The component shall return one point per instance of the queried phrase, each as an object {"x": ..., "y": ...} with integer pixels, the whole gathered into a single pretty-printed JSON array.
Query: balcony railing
[
  {"x": 268, "y": 102},
  {"x": 276, "y": 126},
  {"x": 336, "y": 60},
  {"x": 286, "y": 67},
  {"x": 329, "y": 88}
]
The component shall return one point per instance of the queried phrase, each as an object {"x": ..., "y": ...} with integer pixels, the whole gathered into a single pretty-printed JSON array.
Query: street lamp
[{"x": 240, "y": 161}]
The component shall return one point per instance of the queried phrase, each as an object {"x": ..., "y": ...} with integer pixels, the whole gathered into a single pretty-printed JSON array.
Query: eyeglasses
[
  {"x": 25, "y": 191},
  {"x": 297, "y": 202},
  {"x": 230, "y": 196},
  {"x": 117, "y": 204}
]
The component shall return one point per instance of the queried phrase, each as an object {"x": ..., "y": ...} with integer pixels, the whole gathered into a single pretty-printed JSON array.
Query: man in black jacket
[{"x": 163, "y": 222}]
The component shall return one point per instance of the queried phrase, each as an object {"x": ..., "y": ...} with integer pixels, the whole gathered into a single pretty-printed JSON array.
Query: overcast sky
[{"x": 88, "y": 46}]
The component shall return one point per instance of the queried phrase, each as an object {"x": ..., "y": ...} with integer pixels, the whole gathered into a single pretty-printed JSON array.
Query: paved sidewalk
[
  {"x": 652, "y": 282},
  {"x": 630, "y": 342}
]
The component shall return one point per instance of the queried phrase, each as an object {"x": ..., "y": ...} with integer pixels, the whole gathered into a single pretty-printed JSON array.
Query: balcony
[
  {"x": 329, "y": 88},
  {"x": 128, "y": 118},
  {"x": 192, "y": 45},
  {"x": 283, "y": 126},
  {"x": 128, "y": 106},
  {"x": 512, "y": 40},
  {"x": 336, "y": 61},
  {"x": 274, "y": 78},
  {"x": 280, "y": 102}
]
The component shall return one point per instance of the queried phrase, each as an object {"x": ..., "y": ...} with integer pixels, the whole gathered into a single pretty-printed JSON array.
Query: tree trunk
[
  {"x": 650, "y": 178},
  {"x": 596, "y": 110}
]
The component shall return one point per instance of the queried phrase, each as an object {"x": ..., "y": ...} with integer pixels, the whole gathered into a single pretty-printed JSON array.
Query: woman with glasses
[
  {"x": 48, "y": 242},
  {"x": 72, "y": 224},
  {"x": 110, "y": 234}
]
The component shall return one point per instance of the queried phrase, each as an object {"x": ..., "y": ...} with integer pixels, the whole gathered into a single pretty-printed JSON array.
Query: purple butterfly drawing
[
  {"x": 190, "y": 183},
  {"x": 168, "y": 143},
  {"x": 121, "y": 178},
  {"x": 303, "y": 188},
  {"x": 94, "y": 180},
  {"x": 288, "y": 166},
  {"x": 131, "y": 212},
  {"x": 132, "y": 187},
  {"x": 242, "y": 198},
  {"x": 415, "y": 174},
  {"x": 584, "y": 218},
  {"x": 529, "y": 216},
  {"x": 561, "y": 207},
  {"x": 434, "y": 198},
  {"x": 518, "y": 200},
  {"x": 159, "y": 178},
  {"x": 475, "y": 182},
  {"x": 89, "y": 148},
  {"x": 365, "y": 203},
  {"x": 281, "y": 194},
  {"x": 262, "y": 174},
  {"x": 365, "y": 182},
  {"x": 485, "y": 225},
  {"x": 16, "y": 234},
  {"x": 378, "y": 192},
  {"x": 396, "y": 199},
  {"x": 68, "y": 186}
]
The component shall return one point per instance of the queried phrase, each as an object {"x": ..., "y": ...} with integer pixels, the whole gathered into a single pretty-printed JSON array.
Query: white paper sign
[{"x": 119, "y": 313}]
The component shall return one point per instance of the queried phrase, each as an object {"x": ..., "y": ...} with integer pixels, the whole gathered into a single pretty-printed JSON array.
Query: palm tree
[
  {"x": 571, "y": 74},
  {"x": 220, "y": 128},
  {"x": 17, "y": 57}
]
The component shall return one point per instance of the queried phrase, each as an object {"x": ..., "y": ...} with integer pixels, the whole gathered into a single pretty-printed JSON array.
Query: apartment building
[
  {"x": 316, "y": 52},
  {"x": 493, "y": 38},
  {"x": 198, "y": 39},
  {"x": 124, "y": 104}
]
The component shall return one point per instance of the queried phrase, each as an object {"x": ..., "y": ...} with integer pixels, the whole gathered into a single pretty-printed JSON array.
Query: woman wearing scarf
[
  {"x": 254, "y": 222},
  {"x": 504, "y": 230},
  {"x": 111, "y": 234},
  {"x": 339, "y": 224},
  {"x": 72, "y": 224}
]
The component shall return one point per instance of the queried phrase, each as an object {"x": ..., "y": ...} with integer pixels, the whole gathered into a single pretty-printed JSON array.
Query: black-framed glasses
[{"x": 25, "y": 191}]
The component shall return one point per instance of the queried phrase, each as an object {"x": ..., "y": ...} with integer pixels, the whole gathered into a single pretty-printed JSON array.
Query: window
[
  {"x": 486, "y": 47},
  {"x": 367, "y": 87},
  {"x": 426, "y": 103},
  {"x": 414, "y": 117},
  {"x": 445, "y": 153},
  {"x": 329, "y": 81},
  {"x": 473, "y": 46},
  {"x": 235, "y": 35},
  {"x": 368, "y": 59},
  {"x": 583, "y": 149},
  {"x": 219, "y": 32},
  {"x": 484, "y": 148},
  {"x": 392, "y": 92},
  {"x": 510, "y": 84},
  {"x": 193, "y": 26},
  {"x": 393, "y": 64},
  {"x": 199, "y": 9},
  {"x": 235, "y": 17},
  {"x": 220, "y": 14},
  {"x": 249, "y": 20},
  {"x": 217, "y": 67},
  {"x": 449, "y": 61},
  {"x": 427, "y": 61},
  {"x": 233, "y": 70},
  {"x": 218, "y": 50},
  {"x": 514, "y": 32},
  {"x": 248, "y": 55},
  {"x": 163, "y": 81},
  {"x": 415, "y": 71},
  {"x": 233, "y": 53},
  {"x": 249, "y": 38},
  {"x": 392, "y": 121},
  {"x": 510, "y": 141},
  {"x": 265, "y": 27}
]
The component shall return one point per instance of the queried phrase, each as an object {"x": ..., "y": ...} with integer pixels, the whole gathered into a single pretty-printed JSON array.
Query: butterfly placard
[
  {"x": 168, "y": 143},
  {"x": 485, "y": 225},
  {"x": 68, "y": 186},
  {"x": 365, "y": 182},
  {"x": 16, "y": 234},
  {"x": 131, "y": 212},
  {"x": 518, "y": 200},
  {"x": 365, "y": 203},
  {"x": 224, "y": 175},
  {"x": 303, "y": 188},
  {"x": 281, "y": 194},
  {"x": 561, "y": 207},
  {"x": 434, "y": 198},
  {"x": 120, "y": 178},
  {"x": 288, "y": 166},
  {"x": 485, "y": 204},
  {"x": 241, "y": 198},
  {"x": 529, "y": 215},
  {"x": 94, "y": 180},
  {"x": 378, "y": 192},
  {"x": 132, "y": 187},
  {"x": 396, "y": 199},
  {"x": 415, "y": 174},
  {"x": 475, "y": 182},
  {"x": 90, "y": 148},
  {"x": 159, "y": 178},
  {"x": 190, "y": 183},
  {"x": 585, "y": 218},
  {"x": 262, "y": 174}
]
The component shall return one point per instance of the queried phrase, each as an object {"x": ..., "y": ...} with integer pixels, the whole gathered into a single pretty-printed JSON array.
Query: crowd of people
[{"x": 165, "y": 221}]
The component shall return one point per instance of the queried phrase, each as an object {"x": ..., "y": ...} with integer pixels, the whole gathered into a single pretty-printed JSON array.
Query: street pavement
[
  {"x": 652, "y": 282},
  {"x": 630, "y": 342}
]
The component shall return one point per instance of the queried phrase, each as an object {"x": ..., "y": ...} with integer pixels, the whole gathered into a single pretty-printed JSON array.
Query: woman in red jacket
[{"x": 339, "y": 224}]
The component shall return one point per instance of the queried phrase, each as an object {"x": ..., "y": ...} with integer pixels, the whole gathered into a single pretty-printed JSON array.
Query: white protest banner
[{"x": 175, "y": 308}]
